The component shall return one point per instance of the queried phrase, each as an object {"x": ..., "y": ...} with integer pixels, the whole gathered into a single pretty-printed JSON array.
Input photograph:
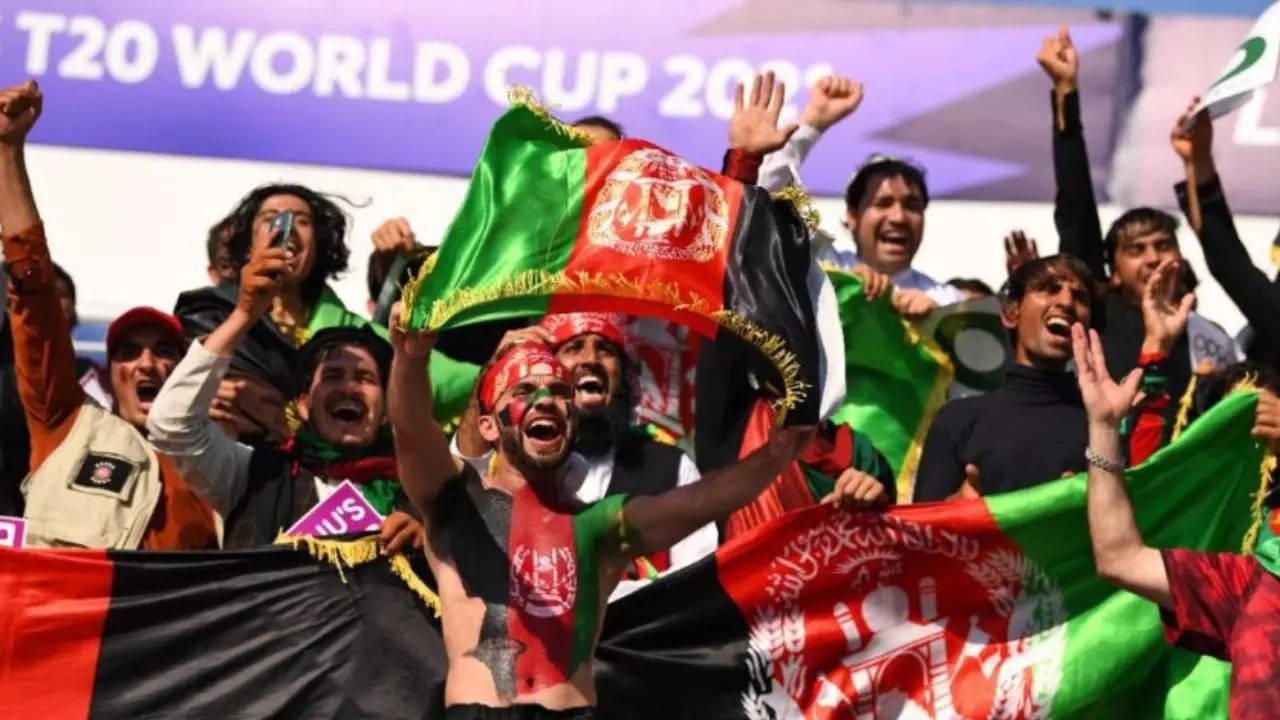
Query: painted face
[
  {"x": 1043, "y": 319},
  {"x": 888, "y": 224},
  {"x": 345, "y": 403},
  {"x": 1138, "y": 255},
  {"x": 534, "y": 422},
  {"x": 301, "y": 242},
  {"x": 140, "y": 363}
]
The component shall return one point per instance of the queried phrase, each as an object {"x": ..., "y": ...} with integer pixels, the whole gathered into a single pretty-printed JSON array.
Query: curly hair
[{"x": 329, "y": 221}]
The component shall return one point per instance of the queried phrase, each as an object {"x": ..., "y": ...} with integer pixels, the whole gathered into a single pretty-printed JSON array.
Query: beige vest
[{"x": 98, "y": 489}]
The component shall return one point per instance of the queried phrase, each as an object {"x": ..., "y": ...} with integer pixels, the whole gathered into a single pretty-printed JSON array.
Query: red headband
[
  {"x": 564, "y": 327},
  {"x": 520, "y": 362}
]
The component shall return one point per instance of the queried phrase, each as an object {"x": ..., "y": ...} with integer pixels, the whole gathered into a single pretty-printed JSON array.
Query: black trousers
[{"x": 516, "y": 712}]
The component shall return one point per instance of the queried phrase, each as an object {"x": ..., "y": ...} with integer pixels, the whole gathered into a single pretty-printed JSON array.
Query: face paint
[{"x": 514, "y": 412}]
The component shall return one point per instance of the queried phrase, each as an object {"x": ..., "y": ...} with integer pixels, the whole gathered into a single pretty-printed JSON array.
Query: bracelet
[{"x": 1098, "y": 461}]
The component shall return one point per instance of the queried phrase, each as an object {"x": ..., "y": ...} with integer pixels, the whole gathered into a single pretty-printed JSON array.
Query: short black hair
[
  {"x": 217, "y": 239},
  {"x": 380, "y": 264},
  {"x": 65, "y": 277},
  {"x": 973, "y": 285},
  {"x": 318, "y": 347},
  {"x": 876, "y": 169},
  {"x": 1033, "y": 272},
  {"x": 329, "y": 221},
  {"x": 601, "y": 121},
  {"x": 1138, "y": 221}
]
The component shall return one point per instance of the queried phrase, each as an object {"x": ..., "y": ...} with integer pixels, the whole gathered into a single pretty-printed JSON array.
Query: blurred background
[{"x": 161, "y": 114}]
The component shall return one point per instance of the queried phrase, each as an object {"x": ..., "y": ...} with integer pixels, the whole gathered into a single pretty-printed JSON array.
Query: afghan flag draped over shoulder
[
  {"x": 552, "y": 225},
  {"x": 979, "y": 609},
  {"x": 895, "y": 378}
]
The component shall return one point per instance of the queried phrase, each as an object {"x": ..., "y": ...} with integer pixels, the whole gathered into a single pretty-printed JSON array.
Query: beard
[
  {"x": 600, "y": 428},
  {"x": 529, "y": 465}
]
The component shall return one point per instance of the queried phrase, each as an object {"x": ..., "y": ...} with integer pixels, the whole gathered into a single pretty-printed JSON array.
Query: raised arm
[
  {"x": 422, "y": 449},
  {"x": 831, "y": 100},
  {"x": 179, "y": 424},
  {"x": 1118, "y": 550},
  {"x": 1075, "y": 210},
  {"x": 43, "y": 356},
  {"x": 657, "y": 522},
  {"x": 1257, "y": 297}
]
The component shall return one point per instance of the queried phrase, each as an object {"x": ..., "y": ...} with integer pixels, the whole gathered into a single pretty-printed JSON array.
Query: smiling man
[
  {"x": 522, "y": 570},
  {"x": 343, "y": 436},
  {"x": 1031, "y": 431},
  {"x": 95, "y": 480},
  {"x": 612, "y": 456}
]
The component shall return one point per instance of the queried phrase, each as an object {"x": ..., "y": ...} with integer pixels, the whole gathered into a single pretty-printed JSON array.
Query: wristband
[{"x": 1102, "y": 463}]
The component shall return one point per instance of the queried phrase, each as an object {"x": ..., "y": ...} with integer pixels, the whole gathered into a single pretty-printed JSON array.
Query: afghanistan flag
[
  {"x": 895, "y": 378},
  {"x": 552, "y": 225},
  {"x": 264, "y": 633},
  {"x": 979, "y": 609}
]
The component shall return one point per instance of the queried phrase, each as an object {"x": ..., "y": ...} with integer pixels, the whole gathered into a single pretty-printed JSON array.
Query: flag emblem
[
  {"x": 884, "y": 644},
  {"x": 102, "y": 472},
  {"x": 656, "y": 205},
  {"x": 544, "y": 584}
]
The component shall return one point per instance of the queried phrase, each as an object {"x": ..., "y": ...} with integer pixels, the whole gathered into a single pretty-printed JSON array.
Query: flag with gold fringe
[{"x": 552, "y": 224}]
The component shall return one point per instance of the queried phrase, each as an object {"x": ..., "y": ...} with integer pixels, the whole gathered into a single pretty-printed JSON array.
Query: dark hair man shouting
[{"x": 522, "y": 572}]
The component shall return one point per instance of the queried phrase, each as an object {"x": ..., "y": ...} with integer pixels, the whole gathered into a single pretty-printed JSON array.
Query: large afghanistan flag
[
  {"x": 551, "y": 224},
  {"x": 895, "y": 378},
  {"x": 264, "y": 633},
  {"x": 979, "y": 609}
]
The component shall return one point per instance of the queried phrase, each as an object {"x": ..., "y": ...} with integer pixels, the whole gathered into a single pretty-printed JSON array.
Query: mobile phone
[{"x": 282, "y": 226}]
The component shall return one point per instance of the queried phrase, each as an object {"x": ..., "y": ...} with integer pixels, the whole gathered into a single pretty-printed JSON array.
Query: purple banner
[
  {"x": 414, "y": 86},
  {"x": 344, "y": 511},
  {"x": 13, "y": 532}
]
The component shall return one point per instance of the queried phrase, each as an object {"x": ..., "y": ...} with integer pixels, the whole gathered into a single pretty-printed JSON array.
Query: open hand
[
  {"x": 1060, "y": 60},
  {"x": 856, "y": 489},
  {"x": 1163, "y": 320},
  {"x": 832, "y": 99},
  {"x": 754, "y": 125},
  {"x": 1105, "y": 402},
  {"x": 1019, "y": 250},
  {"x": 399, "y": 531},
  {"x": 20, "y": 105}
]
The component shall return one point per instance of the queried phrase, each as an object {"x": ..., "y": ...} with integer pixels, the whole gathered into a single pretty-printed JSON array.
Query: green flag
[{"x": 896, "y": 379}]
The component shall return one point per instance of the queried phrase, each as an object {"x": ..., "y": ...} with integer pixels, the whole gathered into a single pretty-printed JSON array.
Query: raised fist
[
  {"x": 1059, "y": 59},
  {"x": 831, "y": 100},
  {"x": 19, "y": 107}
]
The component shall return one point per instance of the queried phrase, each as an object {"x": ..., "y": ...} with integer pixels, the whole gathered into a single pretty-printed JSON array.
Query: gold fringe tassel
[
  {"x": 799, "y": 197},
  {"x": 937, "y": 396},
  {"x": 538, "y": 283},
  {"x": 351, "y": 553},
  {"x": 527, "y": 98},
  {"x": 1184, "y": 409},
  {"x": 1265, "y": 472}
]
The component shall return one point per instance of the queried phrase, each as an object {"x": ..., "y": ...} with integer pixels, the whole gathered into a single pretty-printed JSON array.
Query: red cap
[
  {"x": 144, "y": 316},
  {"x": 564, "y": 327}
]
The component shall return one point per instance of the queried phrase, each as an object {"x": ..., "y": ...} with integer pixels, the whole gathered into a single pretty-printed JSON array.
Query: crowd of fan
[{"x": 227, "y": 419}]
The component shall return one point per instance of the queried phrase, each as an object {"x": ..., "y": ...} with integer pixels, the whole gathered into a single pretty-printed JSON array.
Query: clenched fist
[
  {"x": 831, "y": 100},
  {"x": 19, "y": 107}
]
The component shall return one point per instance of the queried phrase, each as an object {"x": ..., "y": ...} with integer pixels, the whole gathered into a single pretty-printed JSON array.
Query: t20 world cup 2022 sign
[{"x": 406, "y": 85}]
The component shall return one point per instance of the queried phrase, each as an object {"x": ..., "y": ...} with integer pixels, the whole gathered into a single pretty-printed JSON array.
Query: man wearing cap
[
  {"x": 343, "y": 436},
  {"x": 523, "y": 571},
  {"x": 612, "y": 456},
  {"x": 96, "y": 481}
]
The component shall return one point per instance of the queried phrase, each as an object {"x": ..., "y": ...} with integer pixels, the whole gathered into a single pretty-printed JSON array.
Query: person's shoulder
[{"x": 966, "y": 409}]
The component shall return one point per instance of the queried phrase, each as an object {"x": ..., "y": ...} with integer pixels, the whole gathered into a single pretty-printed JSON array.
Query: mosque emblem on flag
[
  {"x": 903, "y": 623},
  {"x": 656, "y": 205},
  {"x": 544, "y": 583}
]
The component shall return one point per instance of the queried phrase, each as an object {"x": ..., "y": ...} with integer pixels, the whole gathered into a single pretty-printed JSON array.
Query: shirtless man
[{"x": 522, "y": 571}]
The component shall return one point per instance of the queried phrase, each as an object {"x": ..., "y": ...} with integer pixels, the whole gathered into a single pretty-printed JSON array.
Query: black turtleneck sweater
[{"x": 1029, "y": 431}]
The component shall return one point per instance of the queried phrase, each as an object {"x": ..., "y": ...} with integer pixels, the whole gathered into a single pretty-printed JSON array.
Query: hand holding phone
[{"x": 282, "y": 226}]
